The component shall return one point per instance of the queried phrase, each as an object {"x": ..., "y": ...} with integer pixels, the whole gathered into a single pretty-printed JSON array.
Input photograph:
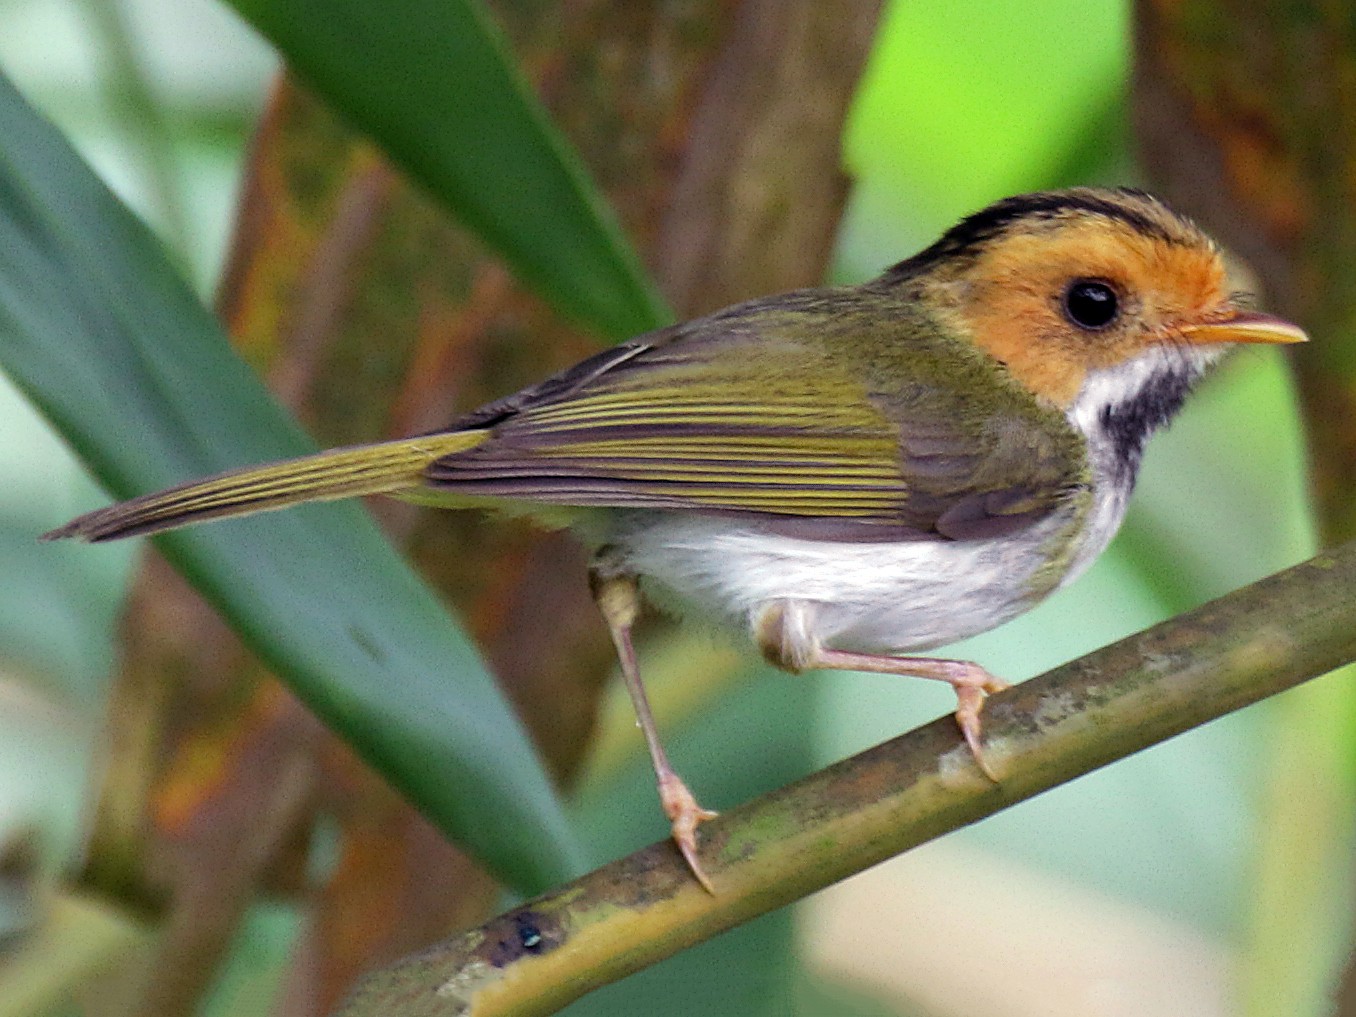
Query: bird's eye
[{"x": 1091, "y": 304}]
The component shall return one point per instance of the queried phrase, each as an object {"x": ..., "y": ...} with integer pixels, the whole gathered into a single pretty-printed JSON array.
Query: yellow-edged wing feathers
[{"x": 771, "y": 412}]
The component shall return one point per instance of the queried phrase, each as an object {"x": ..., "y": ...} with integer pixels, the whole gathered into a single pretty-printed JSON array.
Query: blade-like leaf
[
  {"x": 432, "y": 83},
  {"x": 109, "y": 342}
]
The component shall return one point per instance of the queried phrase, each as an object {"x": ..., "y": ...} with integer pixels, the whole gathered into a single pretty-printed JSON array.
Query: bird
[{"x": 849, "y": 475}]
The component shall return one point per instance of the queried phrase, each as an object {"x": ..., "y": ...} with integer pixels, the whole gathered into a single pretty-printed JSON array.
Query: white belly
[{"x": 890, "y": 597}]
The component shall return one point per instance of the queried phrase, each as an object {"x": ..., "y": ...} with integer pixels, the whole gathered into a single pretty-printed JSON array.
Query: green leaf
[
  {"x": 431, "y": 81},
  {"x": 99, "y": 331}
]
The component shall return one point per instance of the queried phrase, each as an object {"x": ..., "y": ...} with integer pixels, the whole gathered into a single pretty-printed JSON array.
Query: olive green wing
[{"x": 743, "y": 414}]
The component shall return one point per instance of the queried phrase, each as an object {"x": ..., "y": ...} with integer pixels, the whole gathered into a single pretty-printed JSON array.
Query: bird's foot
[
  {"x": 973, "y": 685},
  {"x": 685, "y": 815},
  {"x": 970, "y": 681}
]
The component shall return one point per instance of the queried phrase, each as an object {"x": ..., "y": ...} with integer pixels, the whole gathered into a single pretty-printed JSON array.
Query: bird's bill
[{"x": 1244, "y": 327}]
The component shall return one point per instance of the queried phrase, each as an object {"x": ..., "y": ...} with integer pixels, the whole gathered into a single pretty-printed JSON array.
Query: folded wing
[{"x": 778, "y": 431}]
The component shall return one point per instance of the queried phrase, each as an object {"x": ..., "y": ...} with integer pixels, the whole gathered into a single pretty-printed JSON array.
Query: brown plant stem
[
  {"x": 533, "y": 960},
  {"x": 1246, "y": 118}
]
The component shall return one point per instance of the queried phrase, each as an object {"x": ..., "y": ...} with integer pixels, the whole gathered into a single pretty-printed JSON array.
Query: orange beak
[{"x": 1243, "y": 327}]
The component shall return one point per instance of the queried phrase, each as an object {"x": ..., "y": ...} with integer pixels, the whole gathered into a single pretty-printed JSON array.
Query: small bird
[{"x": 848, "y": 474}]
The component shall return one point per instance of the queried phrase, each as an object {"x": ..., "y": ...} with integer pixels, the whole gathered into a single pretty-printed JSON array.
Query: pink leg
[
  {"x": 618, "y": 599},
  {"x": 971, "y": 682},
  {"x": 785, "y": 642}
]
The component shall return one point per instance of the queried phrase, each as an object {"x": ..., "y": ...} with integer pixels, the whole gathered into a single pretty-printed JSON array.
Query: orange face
[
  {"x": 1015, "y": 295},
  {"x": 1159, "y": 279}
]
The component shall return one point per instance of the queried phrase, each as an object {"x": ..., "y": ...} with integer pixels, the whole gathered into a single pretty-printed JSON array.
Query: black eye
[{"x": 1091, "y": 304}]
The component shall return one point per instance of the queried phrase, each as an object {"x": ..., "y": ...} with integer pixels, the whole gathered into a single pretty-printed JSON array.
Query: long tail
[{"x": 383, "y": 468}]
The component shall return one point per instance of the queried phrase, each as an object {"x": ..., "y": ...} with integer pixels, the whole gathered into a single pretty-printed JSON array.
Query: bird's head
[{"x": 1088, "y": 289}]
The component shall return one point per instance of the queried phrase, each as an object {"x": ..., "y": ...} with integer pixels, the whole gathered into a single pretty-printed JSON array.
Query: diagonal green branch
[{"x": 1255, "y": 642}]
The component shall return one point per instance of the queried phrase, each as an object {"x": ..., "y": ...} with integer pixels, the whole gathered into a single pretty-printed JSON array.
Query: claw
[
  {"x": 992, "y": 684},
  {"x": 685, "y": 815},
  {"x": 970, "y": 700}
]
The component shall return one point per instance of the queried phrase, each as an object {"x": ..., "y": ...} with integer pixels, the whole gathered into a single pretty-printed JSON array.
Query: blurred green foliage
[
  {"x": 971, "y": 102},
  {"x": 109, "y": 342}
]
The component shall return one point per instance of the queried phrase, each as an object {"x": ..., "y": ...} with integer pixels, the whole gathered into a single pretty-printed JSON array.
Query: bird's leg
[
  {"x": 784, "y": 638},
  {"x": 971, "y": 682},
  {"x": 618, "y": 598}
]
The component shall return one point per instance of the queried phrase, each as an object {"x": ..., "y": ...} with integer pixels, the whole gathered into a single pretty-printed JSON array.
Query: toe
[
  {"x": 992, "y": 684},
  {"x": 969, "y": 702},
  {"x": 685, "y": 815}
]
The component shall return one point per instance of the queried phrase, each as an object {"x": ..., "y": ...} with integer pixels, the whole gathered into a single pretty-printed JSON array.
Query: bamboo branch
[{"x": 535, "y": 959}]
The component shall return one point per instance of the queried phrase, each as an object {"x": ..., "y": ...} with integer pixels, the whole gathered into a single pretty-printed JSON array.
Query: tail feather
[{"x": 384, "y": 468}]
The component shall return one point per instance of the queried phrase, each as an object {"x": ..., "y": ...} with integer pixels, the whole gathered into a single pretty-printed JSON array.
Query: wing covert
[{"x": 718, "y": 416}]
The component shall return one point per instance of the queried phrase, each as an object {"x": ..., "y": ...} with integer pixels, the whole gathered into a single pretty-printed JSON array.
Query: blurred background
[{"x": 1173, "y": 882}]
